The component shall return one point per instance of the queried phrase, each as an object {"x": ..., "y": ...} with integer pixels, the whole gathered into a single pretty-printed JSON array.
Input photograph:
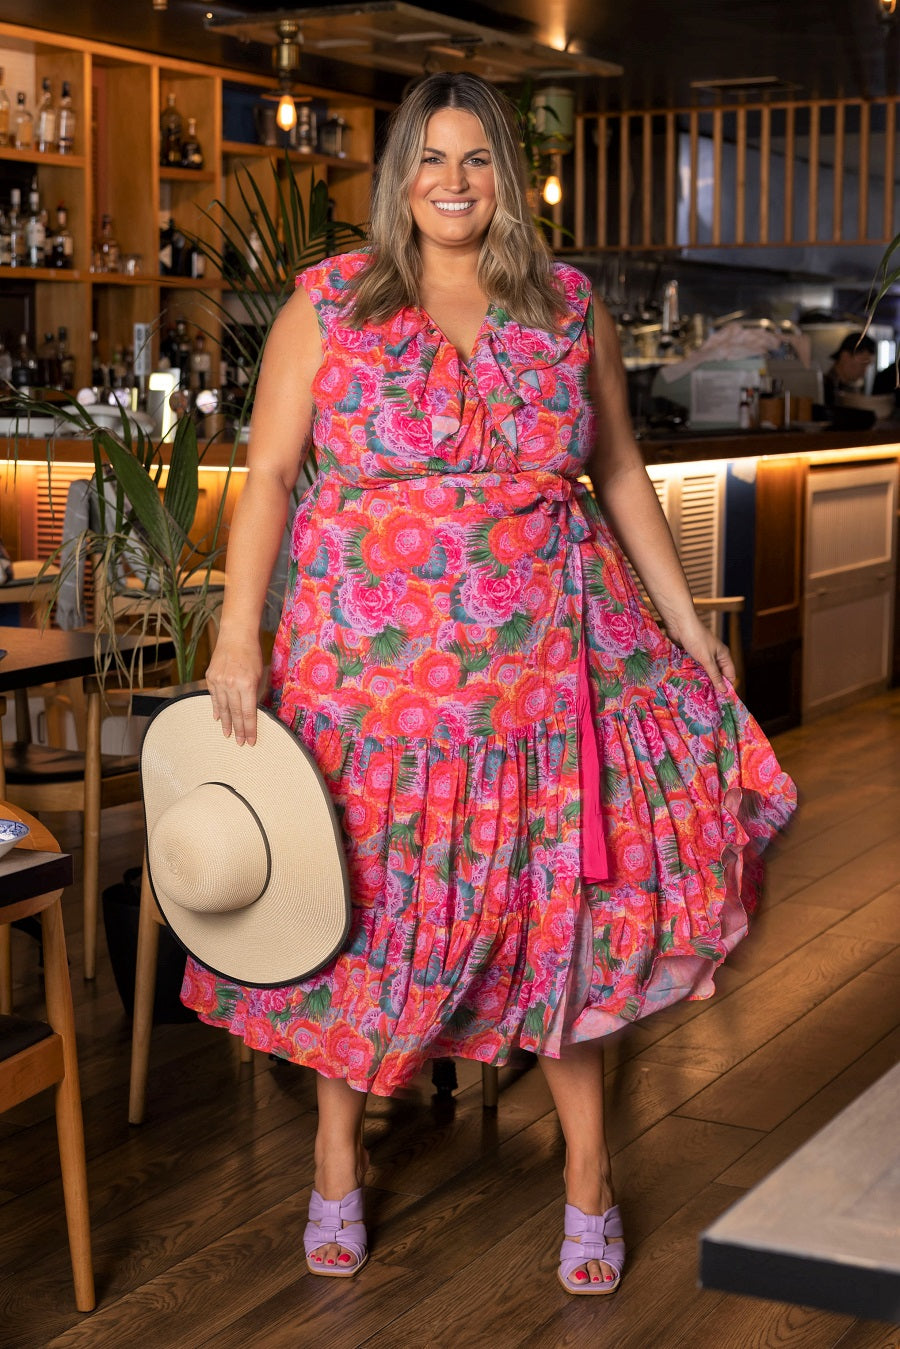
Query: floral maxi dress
[{"x": 465, "y": 654}]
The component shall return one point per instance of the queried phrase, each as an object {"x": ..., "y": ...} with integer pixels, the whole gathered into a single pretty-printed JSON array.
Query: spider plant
[{"x": 161, "y": 578}]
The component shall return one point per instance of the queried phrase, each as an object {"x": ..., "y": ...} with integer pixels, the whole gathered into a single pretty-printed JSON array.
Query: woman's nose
[{"x": 455, "y": 177}]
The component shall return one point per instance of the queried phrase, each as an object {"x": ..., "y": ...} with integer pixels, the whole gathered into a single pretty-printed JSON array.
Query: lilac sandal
[
  {"x": 587, "y": 1237},
  {"x": 326, "y": 1225}
]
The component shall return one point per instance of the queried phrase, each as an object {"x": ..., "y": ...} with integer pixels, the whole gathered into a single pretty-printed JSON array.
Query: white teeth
[{"x": 452, "y": 205}]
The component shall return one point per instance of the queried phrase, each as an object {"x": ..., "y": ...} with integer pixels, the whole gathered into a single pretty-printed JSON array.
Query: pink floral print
[{"x": 448, "y": 571}]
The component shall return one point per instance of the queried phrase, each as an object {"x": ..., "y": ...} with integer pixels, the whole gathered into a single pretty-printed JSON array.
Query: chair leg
[
  {"x": 144, "y": 993},
  {"x": 490, "y": 1086},
  {"x": 91, "y": 865},
  {"x": 5, "y": 970},
  {"x": 69, "y": 1122}
]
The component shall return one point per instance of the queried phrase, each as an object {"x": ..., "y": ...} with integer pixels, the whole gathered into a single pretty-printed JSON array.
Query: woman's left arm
[{"x": 631, "y": 508}]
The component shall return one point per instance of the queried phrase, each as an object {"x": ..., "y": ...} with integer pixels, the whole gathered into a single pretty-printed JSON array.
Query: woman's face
[{"x": 453, "y": 195}]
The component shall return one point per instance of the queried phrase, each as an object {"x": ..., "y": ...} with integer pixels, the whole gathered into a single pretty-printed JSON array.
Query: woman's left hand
[{"x": 707, "y": 650}]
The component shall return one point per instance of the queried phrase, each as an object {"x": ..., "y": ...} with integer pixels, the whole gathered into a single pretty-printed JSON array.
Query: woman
[{"x": 462, "y": 649}]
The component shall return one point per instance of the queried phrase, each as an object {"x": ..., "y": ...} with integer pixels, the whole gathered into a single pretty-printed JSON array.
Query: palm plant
[{"x": 160, "y": 578}]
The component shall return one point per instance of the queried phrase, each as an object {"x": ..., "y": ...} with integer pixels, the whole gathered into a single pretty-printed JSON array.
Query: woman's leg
[
  {"x": 341, "y": 1158},
  {"x": 576, "y": 1084}
]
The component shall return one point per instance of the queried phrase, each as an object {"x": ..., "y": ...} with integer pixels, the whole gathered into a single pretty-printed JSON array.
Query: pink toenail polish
[
  {"x": 329, "y": 1262},
  {"x": 580, "y": 1275},
  {"x": 595, "y": 1279}
]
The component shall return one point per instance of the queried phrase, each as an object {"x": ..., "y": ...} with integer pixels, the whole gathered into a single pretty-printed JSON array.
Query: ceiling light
[{"x": 888, "y": 11}]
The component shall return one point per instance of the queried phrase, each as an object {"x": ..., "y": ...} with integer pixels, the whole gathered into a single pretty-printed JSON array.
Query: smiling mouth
[{"x": 453, "y": 207}]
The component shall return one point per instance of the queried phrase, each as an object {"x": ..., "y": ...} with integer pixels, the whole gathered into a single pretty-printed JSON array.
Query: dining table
[{"x": 33, "y": 657}]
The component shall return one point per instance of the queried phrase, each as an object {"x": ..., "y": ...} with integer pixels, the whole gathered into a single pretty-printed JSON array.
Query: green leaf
[
  {"x": 182, "y": 489},
  {"x": 512, "y": 634},
  {"x": 386, "y": 646}
]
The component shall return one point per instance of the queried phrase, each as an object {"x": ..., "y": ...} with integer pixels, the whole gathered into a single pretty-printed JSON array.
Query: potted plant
[{"x": 140, "y": 533}]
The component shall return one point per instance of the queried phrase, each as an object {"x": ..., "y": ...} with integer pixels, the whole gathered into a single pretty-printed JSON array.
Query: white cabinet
[{"x": 850, "y": 563}]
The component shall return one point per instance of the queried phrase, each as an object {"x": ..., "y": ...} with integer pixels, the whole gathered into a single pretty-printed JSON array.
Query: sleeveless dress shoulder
[{"x": 553, "y": 823}]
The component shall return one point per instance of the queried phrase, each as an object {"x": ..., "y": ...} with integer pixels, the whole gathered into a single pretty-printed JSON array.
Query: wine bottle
[
  {"x": 46, "y": 120},
  {"x": 66, "y": 121}
]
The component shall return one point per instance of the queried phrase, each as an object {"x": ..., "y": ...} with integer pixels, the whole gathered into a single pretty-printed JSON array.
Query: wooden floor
[{"x": 198, "y": 1215}]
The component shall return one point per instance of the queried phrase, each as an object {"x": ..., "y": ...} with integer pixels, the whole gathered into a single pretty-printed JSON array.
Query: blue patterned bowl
[{"x": 11, "y": 833}]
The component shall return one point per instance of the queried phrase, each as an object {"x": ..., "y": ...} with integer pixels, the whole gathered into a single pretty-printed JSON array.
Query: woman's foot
[
  {"x": 338, "y": 1178},
  {"x": 589, "y": 1189}
]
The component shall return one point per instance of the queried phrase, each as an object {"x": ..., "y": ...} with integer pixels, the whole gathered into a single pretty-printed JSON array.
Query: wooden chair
[
  {"x": 29, "y": 589},
  {"x": 35, "y": 1055},
  {"x": 41, "y": 778},
  {"x": 733, "y": 606},
  {"x": 149, "y": 924}
]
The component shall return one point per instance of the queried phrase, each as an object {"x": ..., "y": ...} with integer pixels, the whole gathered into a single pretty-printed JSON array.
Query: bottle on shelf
[
  {"x": 62, "y": 245},
  {"x": 4, "y": 112},
  {"x": 4, "y": 238},
  {"x": 65, "y": 130},
  {"x": 183, "y": 350},
  {"x": 191, "y": 150},
  {"x": 23, "y": 125},
  {"x": 106, "y": 248},
  {"x": 201, "y": 364},
  {"x": 48, "y": 363},
  {"x": 46, "y": 120},
  {"x": 171, "y": 128},
  {"x": 6, "y": 364},
  {"x": 65, "y": 360},
  {"x": 166, "y": 237},
  {"x": 35, "y": 231},
  {"x": 16, "y": 229},
  {"x": 24, "y": 366},
  {"x": 99, "y": 373}
]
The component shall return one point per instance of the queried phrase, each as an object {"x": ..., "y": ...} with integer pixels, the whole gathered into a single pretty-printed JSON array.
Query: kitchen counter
[{"x": 680, "y": 447}]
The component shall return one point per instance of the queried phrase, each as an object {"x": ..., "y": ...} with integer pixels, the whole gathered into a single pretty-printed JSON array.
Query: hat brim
[{"x": 302, "y": 919}]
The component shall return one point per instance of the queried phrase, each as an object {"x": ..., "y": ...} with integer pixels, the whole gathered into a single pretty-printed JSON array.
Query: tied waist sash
[{"x": 501, "y": 494}]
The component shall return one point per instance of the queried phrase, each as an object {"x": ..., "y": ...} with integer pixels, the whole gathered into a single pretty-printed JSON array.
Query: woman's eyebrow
[{"x": 430, "y": 150}]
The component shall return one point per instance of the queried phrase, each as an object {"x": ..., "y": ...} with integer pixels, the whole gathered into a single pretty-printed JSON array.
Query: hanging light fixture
[
  {"x": 888, "y": 11},
  {"x": 552, "y": 192},
  {"x": 286, "y": 60}
]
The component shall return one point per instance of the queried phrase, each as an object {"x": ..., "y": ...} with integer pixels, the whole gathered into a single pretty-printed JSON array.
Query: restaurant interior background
[{"x": 745, "y": 152}]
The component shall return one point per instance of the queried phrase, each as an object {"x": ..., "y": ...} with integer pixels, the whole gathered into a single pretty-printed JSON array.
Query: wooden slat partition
[
  {"x": 862, "y": 214},
  {"x": 602, "y": 223},
  {"x": 765, "y": 157},
  {"x": 790, "y": 123},
  {"x": 740, "y": 186},
  {"x": 837, "y": 209},
  {"x": 624, "y": 177},
  {"x": 671, "y": 176},
  {"x": 813, "y": 217},
  {"x": 890, "y": 146},
  {"x": 646, "y": 179},
  {"x": 735, "y": 139}
]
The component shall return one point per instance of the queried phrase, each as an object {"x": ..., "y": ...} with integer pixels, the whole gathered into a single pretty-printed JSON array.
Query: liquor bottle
[
  {"x": 4, "y": 239},
  {"x": 201, "y": 363},
  {"x": 24, "y": 366},
  {"x": 191, "y": 150},
  {"x": 16, "y": 229},
  {"x": 46, "y": 120},
  {"x": 166, "y": 235},
  {"x": 107, "y": 246},
  {"x": 184, "y": 350},
  {"x": 23, "y": 125},
  {"x": 65, "y": 360},
  {"x": 48, "y": 363},
  {"x": 99, "y": 374},
  {"x": 4, "y": 112},
  {"x": 66, "y": 121},
  {"x": 35, "y": 233},
  {"x": 62, "y": 245},
  {"x": 170, "y": 132}
]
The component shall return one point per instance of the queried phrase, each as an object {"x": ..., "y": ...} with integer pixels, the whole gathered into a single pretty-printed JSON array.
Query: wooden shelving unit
[{"x": 114, "y": 170}]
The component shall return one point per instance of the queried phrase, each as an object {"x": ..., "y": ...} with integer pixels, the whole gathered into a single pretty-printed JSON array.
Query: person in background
[{"x": 850, "y": 363}]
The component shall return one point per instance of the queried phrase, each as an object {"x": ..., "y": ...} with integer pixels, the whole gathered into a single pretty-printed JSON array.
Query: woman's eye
[{"x": 477, "y": 162}]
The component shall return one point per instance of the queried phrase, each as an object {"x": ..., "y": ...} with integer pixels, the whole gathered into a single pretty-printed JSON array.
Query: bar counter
[{"x": 690, "y": 447}]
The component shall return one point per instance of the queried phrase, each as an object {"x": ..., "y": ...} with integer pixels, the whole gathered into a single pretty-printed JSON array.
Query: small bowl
[{"x": 11, "y": 833}]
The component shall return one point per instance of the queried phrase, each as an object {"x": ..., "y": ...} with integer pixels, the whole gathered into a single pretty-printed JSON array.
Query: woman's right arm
[{"x": 279, "y": 433}]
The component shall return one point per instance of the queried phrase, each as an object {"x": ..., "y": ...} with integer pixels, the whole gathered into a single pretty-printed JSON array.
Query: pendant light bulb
[
  {"x": 552, "y": 190},
  {"x": 286, "y": 116}
]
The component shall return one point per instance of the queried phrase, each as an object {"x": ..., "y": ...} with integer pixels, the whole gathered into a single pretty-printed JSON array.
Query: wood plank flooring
[{"x": 198, "y": 1215}]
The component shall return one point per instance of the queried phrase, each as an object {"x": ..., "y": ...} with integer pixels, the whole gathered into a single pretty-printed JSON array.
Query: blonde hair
[{"x": 515, "y": 265}]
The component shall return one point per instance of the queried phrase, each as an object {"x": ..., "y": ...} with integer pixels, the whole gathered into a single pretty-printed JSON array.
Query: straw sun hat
[{"x": 243, "y": 846}]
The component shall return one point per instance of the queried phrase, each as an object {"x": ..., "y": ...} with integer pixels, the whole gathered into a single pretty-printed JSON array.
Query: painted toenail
[
  {"x": 329, "y": 1262},
  {"x": 580, "y": 1275},
  {"x": 343, "y": 1259},
  {"x": 595, "y": 1279}
]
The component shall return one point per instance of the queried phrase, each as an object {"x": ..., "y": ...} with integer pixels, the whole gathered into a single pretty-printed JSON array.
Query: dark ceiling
[{"x": 826, "y": 48}]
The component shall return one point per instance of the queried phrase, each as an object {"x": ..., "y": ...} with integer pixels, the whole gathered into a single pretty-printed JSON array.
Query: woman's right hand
[{"x": 233, "y": 678}]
